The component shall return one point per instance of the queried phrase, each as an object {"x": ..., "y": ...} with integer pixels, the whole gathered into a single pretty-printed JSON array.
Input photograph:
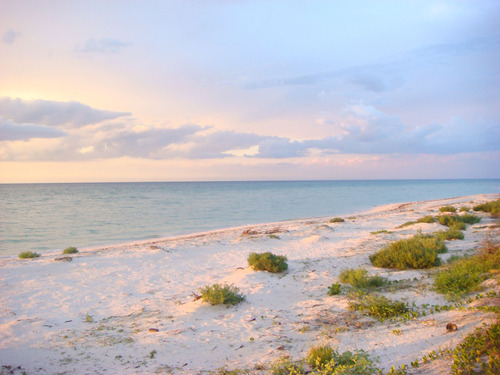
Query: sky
[{"x": 248, "y": 90}]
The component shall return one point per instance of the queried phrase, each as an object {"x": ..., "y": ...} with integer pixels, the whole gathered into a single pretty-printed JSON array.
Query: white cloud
[
  {"x": 54, "y": 113},
  {"x": 102, "y": 46},
  {"x": 10, "y": 131}
]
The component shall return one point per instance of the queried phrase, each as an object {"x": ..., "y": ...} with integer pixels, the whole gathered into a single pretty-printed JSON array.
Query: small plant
[
  {"x": 479, "y": 351},
  {"x": 70, "y": 250},
  {"x": 273, "y": 236},
  {"x": 447, "y": 209},
  {"x": 319, "y": 356},
  {"x": 417, "y": 252},
  {"x": 89, "y": 318},
  {"x": 492, "y": 207},
  {"x": 359, "y": 278},
  {"x": 285, "y": 366},
  {"x": 217, "y": 294},
  {"x": 380, "y": 231},
  {"x": 464, "y": 209},
  {"x": 28, "y": 255},
  {"x": 337, "y": 220},
  {"x": 379, "y": 307},
  {"x": 334, "y": 290},
  {"x": 267, "y": 262},
  {"x": 453, "y": 233},
  {"x": 152, "y": 354}
]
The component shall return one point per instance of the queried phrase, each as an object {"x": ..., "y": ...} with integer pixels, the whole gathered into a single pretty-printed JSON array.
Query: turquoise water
[{"x": 48, "y": 217}]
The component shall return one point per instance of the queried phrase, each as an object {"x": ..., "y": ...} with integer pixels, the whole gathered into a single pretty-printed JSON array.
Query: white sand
[{"x": 128, "y": 289}]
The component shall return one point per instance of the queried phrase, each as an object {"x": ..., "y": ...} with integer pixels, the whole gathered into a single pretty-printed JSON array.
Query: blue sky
[{"x": 246, "y": 90}]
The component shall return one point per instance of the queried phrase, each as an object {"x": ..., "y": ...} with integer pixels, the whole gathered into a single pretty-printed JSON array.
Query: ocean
[{"x": 51, "y": 217}]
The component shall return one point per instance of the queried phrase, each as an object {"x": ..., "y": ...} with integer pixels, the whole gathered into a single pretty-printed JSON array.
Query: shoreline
[{"x": 94, "y": 314}]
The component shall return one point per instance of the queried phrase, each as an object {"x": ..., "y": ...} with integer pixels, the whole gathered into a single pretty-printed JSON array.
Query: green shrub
[
  {"x": 359, "y": 278},
  {"x": 453, "y": 233},
  {"x": 464, "y": 275},
  {"x": 458, "y": 220},
  {"x": 285, "y": 366},
  {"x": 464, "y": 209},
  {"x": 447, "y": 209},
  {"x": 28, "y": 255},
  {"x": 70, "y": 250},
  {"x": 267, "y": 262},
  {"x": 479, "y": 353},
  {"x": 417, "y": 252},
  {"x": 319, "y": 356},
  {"x": 334, "y": 290},
  {"x": 469, "y": 219},
  {"x": 348, "y": 363},
  {"x": 492, "y": 207},
  {"x": 426, "y": 219},
  {"x": 378, "y": 307},
  {"x": 337, "y": 220},
  {"x": 217, "y": 294}
]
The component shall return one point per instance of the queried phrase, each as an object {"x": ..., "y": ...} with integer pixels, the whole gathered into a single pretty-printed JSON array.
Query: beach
[{"x": 133, "y": 308}]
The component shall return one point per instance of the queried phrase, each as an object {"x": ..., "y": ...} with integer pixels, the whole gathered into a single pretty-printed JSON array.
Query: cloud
[
  {"x": 10, "y": 36},
  {"x": 10, "y": 131},
  {"x": 367, "y": 130},
  {"x": 102, "y": 46},
  {"x": 59, "y": 114}
]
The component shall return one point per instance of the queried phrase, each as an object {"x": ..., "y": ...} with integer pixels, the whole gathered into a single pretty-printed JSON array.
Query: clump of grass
[
  {"x": 267, "y": 262},
  {"x": 458, "y": 220},
  {"x": 419, "y": 252},
  {"x": 479, "y": 351},
  {"x": 464, "y": 209},
  {"x": 380, "y": 231},
  {"x": 70, "y": 250},
  {"x": 378, "y": 306},
  {"x": 453, "y": 233},
  {"x": 28, "y": 255},
  {"x": 337, "y": 220},
  {"x": 464, "y": 275},
  {"x": 492, "y": 207},
  {"x": 447, "y": 209},
  {"x": 285, "y": 366},
  {"x": 359, "y": 278},
  {"x": 319, "y": 356},
  {"x": 328, "y": 361},
  {"x": 217, "y": 294},
  {"x": 426, "y": 219},
  {"x": 334, "y": 290}
]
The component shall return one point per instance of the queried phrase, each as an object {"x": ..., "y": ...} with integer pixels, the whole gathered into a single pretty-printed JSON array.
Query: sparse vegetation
[
  {"x": 359, "y": 278},
  {"x": 28, "y": 255},
  {"x": 328, "y": 361},
  {"x": 464, "y": 275},
  {"x": 319, "y": 356},
  {"x": 458, "y": 221},
  {"x": 285, "y": 366},
  {"x": 337, "y": 220},
  {"x": 217, "y": 294},
  {"x": 492, "y": 207},
  {"x": 426, "y": 219},
  {"x": 334, "y": 290},
  {"x": 378, "y": 306},
  {"x": 420, "y": 251},
  {"x": 70, "y": 250},
  {"x": 453, "y": 233},
  {"x": 447, "y": 209},
  {"x": 267, "y": 262},
  {"x": 480, "y": 351}
]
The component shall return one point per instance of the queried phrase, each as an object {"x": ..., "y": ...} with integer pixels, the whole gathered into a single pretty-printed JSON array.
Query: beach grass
[
  {"x": 359, "y": 278},
  {"x": 217, "y": 294},
  {"x": 337, "y": 220},
  {"x": 70, "y": 250},
  {"x": 418, "y": 252},
  {"x": 492, "y": 207},
  {"x": 379, "y": 307},
  {"x": 447, "y": 209},
  {"x": 28, "y": 255},
  {"x": 267, "y": 262}
]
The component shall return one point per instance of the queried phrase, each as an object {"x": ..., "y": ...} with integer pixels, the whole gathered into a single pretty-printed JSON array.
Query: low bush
[
  {"x": 378, "y": 306},
  {"x": 359, "y": 278},
  {"x": 479, "y": 353},
  {"x": 348, "y": 363},
  {"x": 267, "y": 262},
  {"x": 285, "y": 366},
  {"x": 426, "y": 219},
  {"x": 337, "y": 220},
  {"x": 418, "y": 252},
  {"x": 334, "y": 290},
  {"x": 492, "y": 207},
  {"x": 319, "y": 356},
  {"x": 70, "y": 250},
  {"x": 458, "y": 220},
  {"x": 28, "y": 255},
  {"x": 464, "y": 209},
  {"x": 465, "y": 275},
  {"x": 447, "y": 209},
  {"x": 217, "y": 294},
  {"x": 453, "y": 233}
]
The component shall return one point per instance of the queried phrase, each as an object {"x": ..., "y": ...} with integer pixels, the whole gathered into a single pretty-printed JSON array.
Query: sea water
[{"x": 50, "y": 217}]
